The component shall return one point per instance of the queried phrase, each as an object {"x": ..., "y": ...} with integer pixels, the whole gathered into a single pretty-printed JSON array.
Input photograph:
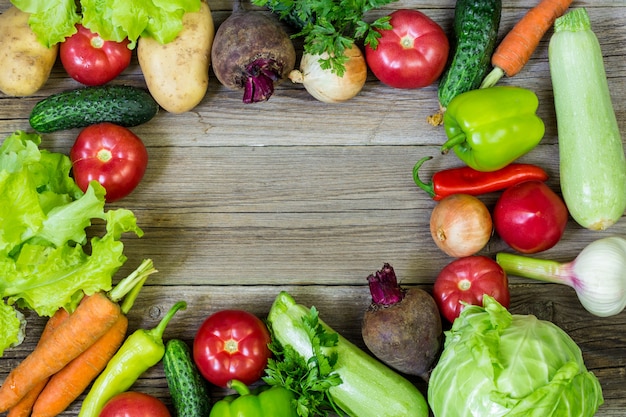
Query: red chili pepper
[{"x": 467, "y": 180}]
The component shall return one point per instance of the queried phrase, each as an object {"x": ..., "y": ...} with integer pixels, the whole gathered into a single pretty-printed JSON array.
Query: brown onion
[
  {"x": 460, "y": 225},
  {"x": 325, "y": 85}
]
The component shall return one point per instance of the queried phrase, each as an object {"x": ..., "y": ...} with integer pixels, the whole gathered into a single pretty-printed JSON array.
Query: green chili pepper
[
  {"x": 276, "y": 401},
  {"x": 139, "y": 352},
  {"x": 491, "y": 127}
]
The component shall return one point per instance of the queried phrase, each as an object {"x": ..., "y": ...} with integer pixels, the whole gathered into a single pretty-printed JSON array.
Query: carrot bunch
[{"x": 72, "y": 350}]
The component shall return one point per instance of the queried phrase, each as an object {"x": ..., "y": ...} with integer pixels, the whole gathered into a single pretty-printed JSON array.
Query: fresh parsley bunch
[
  {"x": 310, "y": 379},
  {"x": 329, "y": 27}
]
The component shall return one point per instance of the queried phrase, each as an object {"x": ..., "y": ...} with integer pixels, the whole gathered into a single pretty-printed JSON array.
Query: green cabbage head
[{"x": 496, "y": 364}]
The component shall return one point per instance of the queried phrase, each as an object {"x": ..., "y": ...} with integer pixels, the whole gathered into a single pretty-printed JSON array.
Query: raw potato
[
  {"x": 25, "y": 63},
  {"x": 177, "y": 73}
]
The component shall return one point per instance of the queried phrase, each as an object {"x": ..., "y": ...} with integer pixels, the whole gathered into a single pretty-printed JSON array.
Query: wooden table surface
[{"x": 242, "y": 201}]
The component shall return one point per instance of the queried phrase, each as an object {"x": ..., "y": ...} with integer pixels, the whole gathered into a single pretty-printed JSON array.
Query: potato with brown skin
[
  {"x": 252, "y": 52},
  {"x": 402, "y": 327},
  {"x": 177, "y": 73},
  {"x": 25, "y": 63}
]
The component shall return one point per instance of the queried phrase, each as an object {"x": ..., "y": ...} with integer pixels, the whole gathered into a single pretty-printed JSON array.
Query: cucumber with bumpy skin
[
  {"x": 187, "y": 387},
  {"x": 123, "y": 105},
  {"x": 476, "y": 24}
]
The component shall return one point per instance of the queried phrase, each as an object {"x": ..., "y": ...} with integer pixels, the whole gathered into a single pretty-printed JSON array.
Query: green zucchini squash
[
  {"x": 120, "y": 104},
  {"x": 187, "y": 387},
  {"x": 476, "y": 24},
  {"x": 368, "y": 388},
  {"x": 591, "y": 153}
]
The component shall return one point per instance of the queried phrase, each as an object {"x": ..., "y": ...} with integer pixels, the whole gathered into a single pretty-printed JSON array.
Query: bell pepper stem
[
  {"x": 428, "y": 187},
  {"x": 240, "y": 387},
  {"x": 539, "y": 269},
  {"x": 452, "y": 142}
]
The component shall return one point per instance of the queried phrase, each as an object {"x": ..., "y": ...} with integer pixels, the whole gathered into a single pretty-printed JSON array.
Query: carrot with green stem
[
  {"x": 25, "y": 406},
  {"x": 70, "y": 382},
  {"x": 519, "y": 44},
  {"x": 93, "y": 317}
]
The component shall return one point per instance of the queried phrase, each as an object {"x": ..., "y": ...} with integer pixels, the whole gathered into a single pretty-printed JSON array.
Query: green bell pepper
[
  {"x": 491, "y": 127},
  {"x": 265, "y": 401}
]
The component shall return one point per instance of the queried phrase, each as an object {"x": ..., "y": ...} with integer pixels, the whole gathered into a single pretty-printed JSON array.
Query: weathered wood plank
[{"x": 241, "y": 201}]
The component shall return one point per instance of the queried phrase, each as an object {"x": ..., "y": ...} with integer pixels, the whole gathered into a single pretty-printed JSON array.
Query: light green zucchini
[
  {"x": 368, "y": 387},
  {"x": 591, "y": 151}
]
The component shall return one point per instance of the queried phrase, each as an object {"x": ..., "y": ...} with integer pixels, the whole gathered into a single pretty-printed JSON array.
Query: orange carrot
[
  {"x": 91, "y": 319},
  {"x": 25, "y": 406},
  {"x": 70, "y": 382},
  {"x": 519, "y": 44}
]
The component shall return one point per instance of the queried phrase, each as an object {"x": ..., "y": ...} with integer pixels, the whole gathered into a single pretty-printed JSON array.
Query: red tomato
[
  {"x": 91, "y": 60},
  {"x": 467, "y": 279},
  {"x": 530, "y": 217},
  {"x": 232, "y": 344},
  {"x": 412, "y": 54},
  {"x": 110, "y": 154},
  {"x": 134, "y": 404}
]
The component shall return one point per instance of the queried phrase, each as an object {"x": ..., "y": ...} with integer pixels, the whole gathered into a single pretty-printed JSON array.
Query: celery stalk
[{"x": 591, "y": 152}]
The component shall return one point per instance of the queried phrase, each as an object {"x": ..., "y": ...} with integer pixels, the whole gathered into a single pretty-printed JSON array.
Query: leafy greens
[
  {"x": 309, "y": 379},
  {"x": 43, "y": 217},
  {"x": 497, "y": 364},
  {"x": 54, "y": 20},
  {"x": 329, "y": 27}
]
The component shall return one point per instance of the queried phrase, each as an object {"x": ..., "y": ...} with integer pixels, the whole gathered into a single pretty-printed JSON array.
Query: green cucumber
[
  {"x": 187, "y": 387},
  {"x": 120, "y": 104},
  {"x": 476, "y": 24},
  {"x": 591, "y": 152}
]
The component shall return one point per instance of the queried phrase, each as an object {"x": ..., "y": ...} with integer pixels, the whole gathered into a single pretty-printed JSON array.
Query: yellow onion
[
  {"x": 327, "y": 86},
  {"x": 460, "y": 225}
]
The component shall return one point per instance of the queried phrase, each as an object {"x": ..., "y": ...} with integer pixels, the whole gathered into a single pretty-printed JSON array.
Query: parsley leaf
[
  {"x": 309, "y": 379},
  {"x": 329, "y": 27}
]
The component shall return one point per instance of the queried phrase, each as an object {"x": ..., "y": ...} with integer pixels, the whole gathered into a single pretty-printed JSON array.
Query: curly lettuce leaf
[
  {"x": 46, "y": 261},
  {"x": 120, "y": 19},
  {"x": 11, "y": 327},
  {"x": 54, "y": 20},
  {"x": 51, "y": 20}
]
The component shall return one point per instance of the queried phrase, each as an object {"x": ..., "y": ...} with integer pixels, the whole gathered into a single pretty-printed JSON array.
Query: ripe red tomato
[
  {"x": 530, "y": 217},
  {"x": 232, "y": 344},
  {"x": 412, "y": 54},
  {"x": 467, "y": 279},
  {"x": 91, "y": 60},
  {"x": 110, "y": 154},
  {"x": 134, "y": 404}
]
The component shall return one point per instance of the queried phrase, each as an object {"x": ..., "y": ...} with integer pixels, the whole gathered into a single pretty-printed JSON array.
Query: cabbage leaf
[
  {"x": 46, "y": 260},
  {"x": 497, "y": 364}
]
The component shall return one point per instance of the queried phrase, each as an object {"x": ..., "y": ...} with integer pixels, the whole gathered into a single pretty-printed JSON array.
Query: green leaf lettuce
[
  {"x": 54, "y": 20},
  {"x": 46, "y": 261}
]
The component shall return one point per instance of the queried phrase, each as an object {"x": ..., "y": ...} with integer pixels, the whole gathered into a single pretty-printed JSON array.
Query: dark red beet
[
  {"x": 251, "y": 51},
  {"x": 402, "y": 327}
]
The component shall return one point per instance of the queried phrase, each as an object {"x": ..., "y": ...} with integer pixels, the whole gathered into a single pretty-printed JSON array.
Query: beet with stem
[
  {"x": 402, "y": 327},
  {"x": 251, "y": 51}
]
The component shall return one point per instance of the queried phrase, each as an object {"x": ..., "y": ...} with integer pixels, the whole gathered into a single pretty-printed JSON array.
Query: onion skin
[
  {"x": 326, "y": 86},
  {"x": 461, "y": 225}
]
